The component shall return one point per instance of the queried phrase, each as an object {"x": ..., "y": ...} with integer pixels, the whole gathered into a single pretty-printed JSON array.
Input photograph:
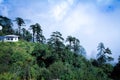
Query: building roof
[
  {"x": 1, "y": 37},
  {"x": 12, "y": 36}
]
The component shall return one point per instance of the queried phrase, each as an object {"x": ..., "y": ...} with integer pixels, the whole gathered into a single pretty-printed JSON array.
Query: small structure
[{"x": 9, "y": 38}]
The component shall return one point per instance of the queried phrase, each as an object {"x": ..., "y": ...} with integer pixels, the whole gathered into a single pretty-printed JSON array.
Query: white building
[{"x": 9, "y": 38}]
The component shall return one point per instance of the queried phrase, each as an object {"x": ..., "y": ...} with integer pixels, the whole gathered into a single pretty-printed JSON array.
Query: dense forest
[{"x": 34, "y": 57}]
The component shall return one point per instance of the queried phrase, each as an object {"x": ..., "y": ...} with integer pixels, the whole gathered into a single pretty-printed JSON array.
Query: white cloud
[
  {"x": 77, "y": 19},
  {"x": 70, "y": 1},
  {"x": 60, "y": 10}
]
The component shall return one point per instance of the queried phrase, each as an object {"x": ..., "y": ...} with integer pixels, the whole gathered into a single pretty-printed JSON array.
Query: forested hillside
[{"x": 34, "y": 57}]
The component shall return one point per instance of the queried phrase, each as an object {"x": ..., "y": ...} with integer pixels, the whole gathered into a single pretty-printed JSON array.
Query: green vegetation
[
  {"x": 35, "y": 58},
  {"x": 35, "y": 61}
]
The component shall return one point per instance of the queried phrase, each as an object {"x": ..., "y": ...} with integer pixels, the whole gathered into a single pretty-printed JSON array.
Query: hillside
[{"x": 35, "y": 61}]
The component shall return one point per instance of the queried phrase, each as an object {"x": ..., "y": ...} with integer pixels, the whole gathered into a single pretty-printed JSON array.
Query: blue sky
[{"x": 92, "y": 21}]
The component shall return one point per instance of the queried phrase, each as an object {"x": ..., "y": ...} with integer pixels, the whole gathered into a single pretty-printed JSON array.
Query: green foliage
[
  {"x": 20, "y": 23},
  {"x": 39, "y": 52},
  {"x": 37, "y": 33},
  {"x": 103, "y": 54},
  {"x": 74, "y": 45},
  {"x": 35, "y": 61},
  {"x": 44, "y": 74},
  {"x": 16, "y": 60},
  {"x": 5, "y": 57},
  {"x": 26, "y": 35},
  {"x": 56, "y": 42},
  {"x": 6, "y": 24},
  {"x": 8, "y": 76},
  {"x": 58, "y": 70},
  {"x": 115, "y": 74}
]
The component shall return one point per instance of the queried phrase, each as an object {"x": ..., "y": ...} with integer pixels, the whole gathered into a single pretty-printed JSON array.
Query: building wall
[{"x": 10, "y": 39}]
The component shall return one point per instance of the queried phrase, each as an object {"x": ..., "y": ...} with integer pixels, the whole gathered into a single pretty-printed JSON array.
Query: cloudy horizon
[{"x": 91, "y": 21}]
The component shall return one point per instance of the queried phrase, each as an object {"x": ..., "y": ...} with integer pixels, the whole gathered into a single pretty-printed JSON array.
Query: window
[{"x": 9, "y": 38}]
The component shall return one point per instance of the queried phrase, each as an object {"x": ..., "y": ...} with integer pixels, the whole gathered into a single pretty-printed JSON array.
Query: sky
[{"x": 91, "y": 21}]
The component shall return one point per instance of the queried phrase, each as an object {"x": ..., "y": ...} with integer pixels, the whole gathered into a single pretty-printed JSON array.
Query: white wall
[{"x": 11, "y": 39}]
